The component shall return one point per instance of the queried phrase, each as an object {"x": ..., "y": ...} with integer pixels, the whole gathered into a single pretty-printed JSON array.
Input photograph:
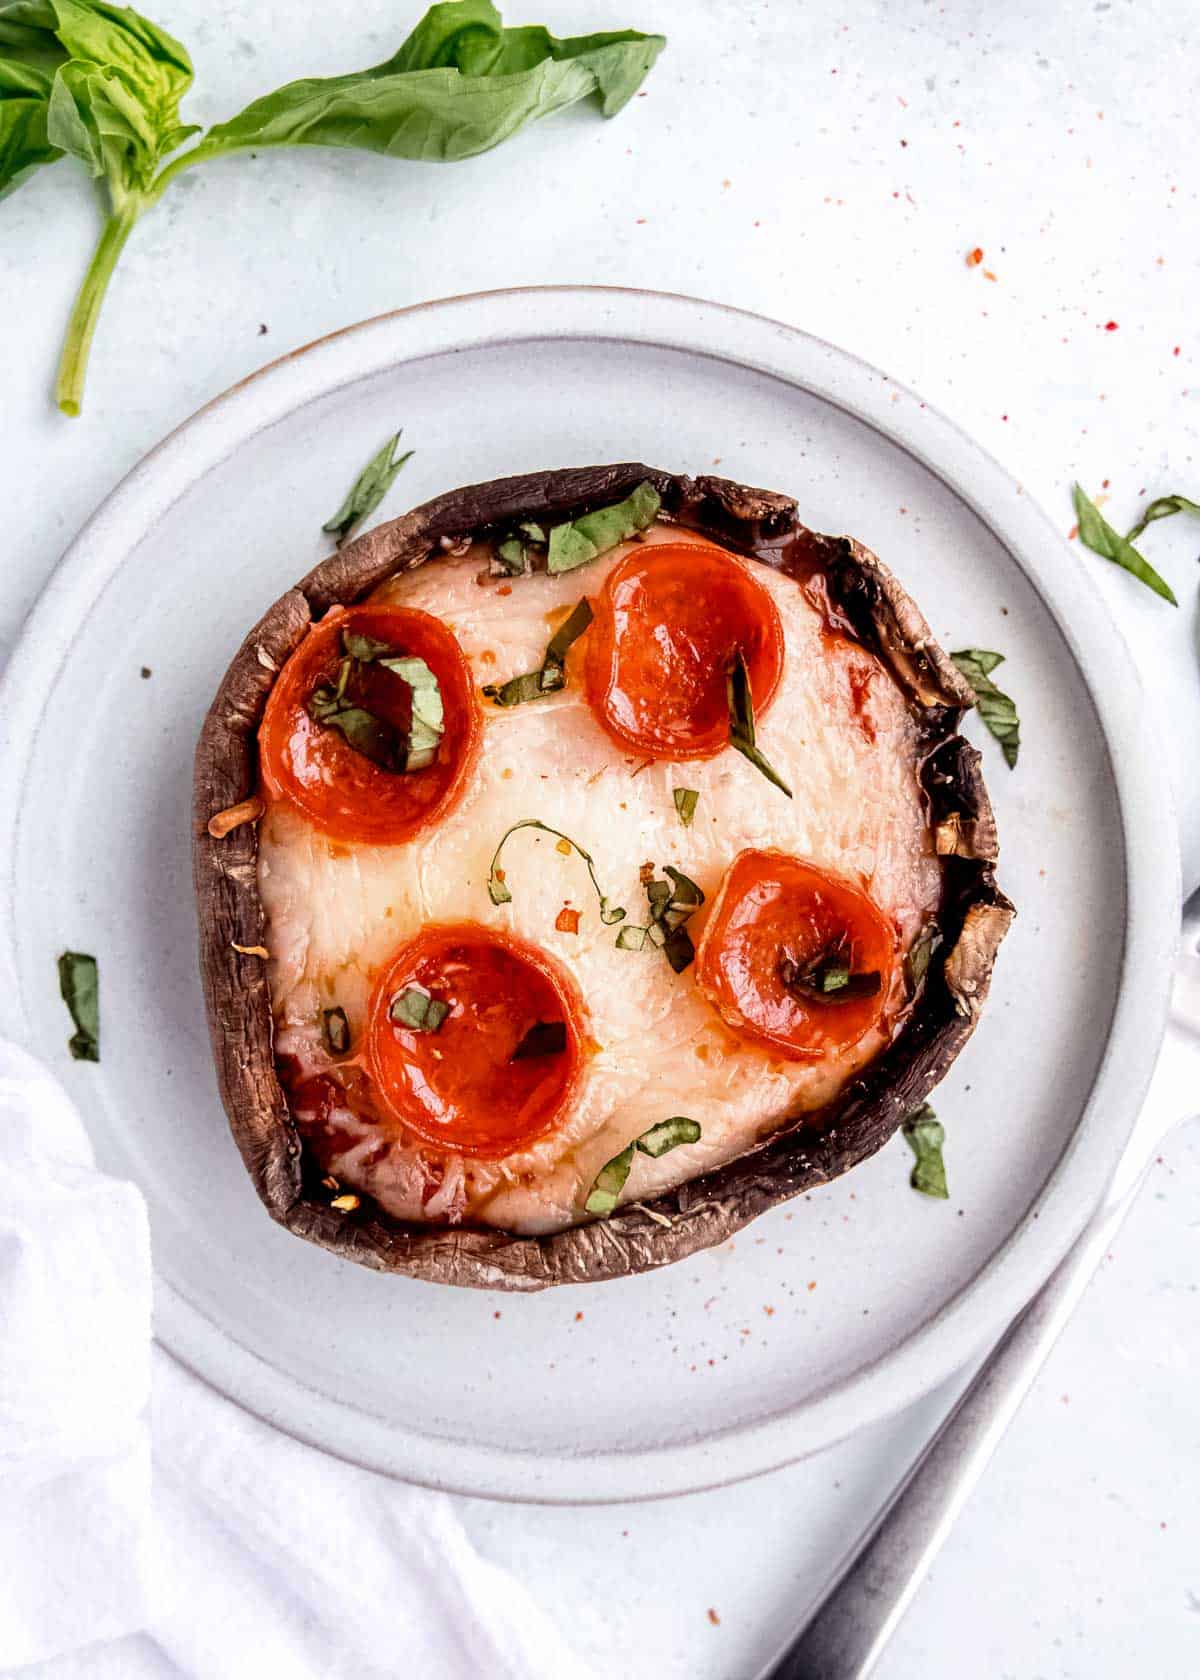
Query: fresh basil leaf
[
  {"x": 610, "y": 1181},
  {"x": 547, "y": 1038},
  {"x": 741, "y": 721},
  {"x": 510, "y": 558},
  {"x": 551, "y": 677},
  {"x": 28, "y": 35},
  {"x": 459, "y": 85},
  {"x": 668, "y": 1135},
  {"x": 428, "y": 722},
  {"x": 336, "y": 1030},
  {"x": 678, "y": 949},
  {"x": 686, "y": 800},
  {"x": 367, "y": 734},
  {"x": 595, "y": 533},
  {"x": 670, "y": 903},
  {"x": 24, "y": 108},
  {"x": 1162, "y": 508},
  {"x": 368, "y": 489},
  {"x": 1097, "y": 534},
  {"x": 79, "y": 983},
  {"x": 498, "y": 890},
  {"x": 926, "y": 1136},
  {"x": 418, "y": 1011},
  {"x": 400, "y": 750},
  {"x": 997, "y": 710}
]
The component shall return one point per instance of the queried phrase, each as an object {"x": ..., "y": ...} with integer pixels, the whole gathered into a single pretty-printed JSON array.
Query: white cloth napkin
[{"x": 253, "y": 1555}]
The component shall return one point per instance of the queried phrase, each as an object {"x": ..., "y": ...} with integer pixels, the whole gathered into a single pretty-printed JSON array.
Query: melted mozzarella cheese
[{"x": 840, "y": 733}]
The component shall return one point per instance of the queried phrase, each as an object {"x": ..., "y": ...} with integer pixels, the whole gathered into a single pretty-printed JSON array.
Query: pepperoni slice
[
  {"x": 343, "y": 793},
  {"x": 777, "y": 926},
  {"x": 500, "y": 1068},
  {"x": 668, "y": 623}
]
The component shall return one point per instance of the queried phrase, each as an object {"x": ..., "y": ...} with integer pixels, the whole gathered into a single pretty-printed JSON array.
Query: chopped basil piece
[
  {"x": 552, "y": 676},
  {"x": 382, "y": 740},
  {"x": 417, "y": 1010},
  {"x": 547, "y": 1038},
  {"x": 367, "y": 491},
  {"x": 499, "y": 893},
  {"x": 670, "y": 903},
  {"x": 926, "y": 1135},
  {"x": 79, "y": 983},
  {"x": 1162, "y": 508},
  {"x": 668, "y": 1135},
  {"x": 610, "y": 1181},
  {"x": 828, "y": 977},
  {"x": 916, "y": 963},
  {"x": 741, "y": 721},
  {"x": 510, "y": 559},
  {"x": 686, "y": 800},
  {"x": 1097, "y": 534},
  {"x": 658, "y": 1140},
  {"x": 337, "y": 1031},
  {"x": 595, "y": 533},
  {"x": 997, "y": 710}
]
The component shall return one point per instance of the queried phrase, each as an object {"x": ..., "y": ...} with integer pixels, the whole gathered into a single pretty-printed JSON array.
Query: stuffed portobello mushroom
[{"x": 586, "y": 862}]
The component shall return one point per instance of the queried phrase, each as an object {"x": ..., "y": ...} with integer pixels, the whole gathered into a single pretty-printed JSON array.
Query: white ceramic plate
[{"x": 826, "y": 1313}]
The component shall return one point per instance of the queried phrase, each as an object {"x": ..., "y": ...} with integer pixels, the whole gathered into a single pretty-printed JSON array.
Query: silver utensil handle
[{"x": 847, "y": 1635}]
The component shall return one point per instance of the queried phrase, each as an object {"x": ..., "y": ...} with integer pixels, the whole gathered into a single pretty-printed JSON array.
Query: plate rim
[{"x": 942, "y": 1344}]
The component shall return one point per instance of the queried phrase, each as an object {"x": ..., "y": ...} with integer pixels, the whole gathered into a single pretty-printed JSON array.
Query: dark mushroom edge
[{"x": 813, "y": 1149}]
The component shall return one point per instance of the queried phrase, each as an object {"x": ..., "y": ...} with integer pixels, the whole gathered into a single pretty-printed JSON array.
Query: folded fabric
[{"x": 256, "y": 1555}]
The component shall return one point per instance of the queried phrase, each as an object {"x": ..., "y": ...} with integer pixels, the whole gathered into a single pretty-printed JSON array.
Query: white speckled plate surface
[{"x": 824, "y": 1314}]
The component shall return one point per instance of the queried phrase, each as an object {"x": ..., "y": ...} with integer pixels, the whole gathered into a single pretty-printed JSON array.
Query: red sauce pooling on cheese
[
  {"x": 459, "y": 1086},
  {"x": 775, "y": 911},
  {"x": 313, "y": 767},
  {"x": 669, "y": 622}
]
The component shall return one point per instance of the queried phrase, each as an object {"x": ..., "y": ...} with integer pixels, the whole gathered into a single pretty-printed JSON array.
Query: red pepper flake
[
  {"x": 1072, "y": 533},
  {"x": 1176, "y": 350},
  {"x": 579, "y": 1318},
  {"x": 504, "y": 589},
  {"x": 770, "y": 1311},
  {"x": 567, "y": 921},
  {"x": 716, "y": 1620},
  {"x": 811, "y": 1287},
  {"x": 1111, "y": 326},
  {"x": 495, "y": 1315},
  {"x": 975, "y": 257}
]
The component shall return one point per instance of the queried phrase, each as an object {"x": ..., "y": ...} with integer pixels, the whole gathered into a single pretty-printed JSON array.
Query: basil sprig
[
  {"x": 103, "y": 84},
  {"x": 551, "y": 674},
  {"x": 926, "y": 1135},
  {"x": 670, "y": 903},
  {"x": 353, "y": 705},
  {"x": 368, "y": 490},
  {"x": 741, "y": 721},
  {"x": 593, "y": 534},
  {"x": 79, "y": 983},
  {"x": 498, "y": 890},
  {"x": 1097, "y": 534},
  {"x": 659, "y": 1140},
  {"x": 997, "y": 710}
]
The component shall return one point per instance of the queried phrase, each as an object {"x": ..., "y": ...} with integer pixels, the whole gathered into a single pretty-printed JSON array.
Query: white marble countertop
[{"x": 832, "y": 167}]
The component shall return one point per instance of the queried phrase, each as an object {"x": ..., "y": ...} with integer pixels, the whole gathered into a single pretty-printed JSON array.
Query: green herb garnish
[
  {"x": 595, "y": 533},
  {"x": 996, "y": 709},
  {"x": 1097, "y": 534},
  {"x": 513, "y": 557},
  {"x": 547, "y": 1038},
  {"x": 368, "y": 490},
  {"x": 659, "y": 1140},
  {"x": 354, "y": 705},
  {"x": 670, "y": 903},
  {"x": 1163, "y": 507},
  {"x": 686, "y": 800},
  {"x": 741, "y": 721},
  {"x": 498, "y": 890},
  {"x": 920, "y": 953},
  {"x": 79, "y": 983},
  {"x": 103, "y": 84},
  {"x": 551, "y": 675},
  {"x": 336, "y": 1030},
  {"x": 828, "y": 977},
  {"x": 418, "y": 1011},
  {"x": 926, "y": 1135}
]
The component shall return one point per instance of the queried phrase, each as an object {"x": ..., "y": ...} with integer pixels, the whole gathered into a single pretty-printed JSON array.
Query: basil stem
[{"x": 499, "y": 893}]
